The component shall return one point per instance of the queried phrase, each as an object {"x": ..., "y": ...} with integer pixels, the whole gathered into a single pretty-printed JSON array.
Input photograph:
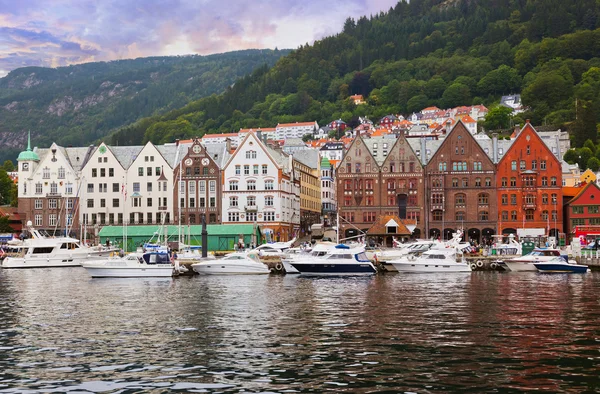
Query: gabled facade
[
  {"x": 584, "y": 208},
  {"x": 48, "y": 189},
  {"x": 306, "y": 168},
  {"x": 104, "y": 181},
  {"x": 402, "y": 187},
  {"x": 259, "y": 187},
  {"x": 198, "y": 176},
  {"x": 529, "y": 181},
  {"x": 460, "y": 186}
]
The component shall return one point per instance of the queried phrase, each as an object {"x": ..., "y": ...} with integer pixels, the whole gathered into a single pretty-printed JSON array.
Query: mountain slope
[
  {"x": 422, "y": 53},
  {"x": 79, "y": 104}
]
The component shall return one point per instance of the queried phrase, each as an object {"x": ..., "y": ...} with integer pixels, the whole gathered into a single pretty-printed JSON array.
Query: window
[
  {"x": 442, "y": 166},
  {"x": 454, "y": 182},
  {"x": 513, "y": 165},
  {"x": 233, "y": 201},
  {"x": 202, "y": 187},
  {"x": 513, "y": 181},
  {"x": 38, "y": 204},
  {"x": 212, "y": 185},
  {"x": 513, "y": 215},
  {"x": 149, "y": 171},
  {"x": 196, "y": 170},
  {"x": 68, "y": 188},
  {"x": 268, "y": 201},
  {"x": 115, "y": 203},
  {"x": 192, "y": 187},
  {"x": 246, "y": 169},
  {"x": 38, "y": 220},
  {"x": 264, "y": 169},
  {"x": 140, "y": 171},
  {"x": 554, "y": 215},
  {"x": 544, "y": 181},
  {"x": 157, "y": 171},
  {"x": 251, "y": 216},
  {"x": 534, "y": 164},
  {"x": 149, "y": 186},
  {"x": 90, "y": 203},
  {"x": 202, "y": 202},
  {"x": 38, "y": 188},
  {"x": 460, "y": 216},
  {"x": 52, "y": 220},
  {"x": 234, "y": 216},
  {"x": 251, "y": 200},
  {"x": 484, "y": 215},
  {"x": 513, "y": 199},
  {"x": 115, "y": 187},
  {"x": 483, "y": 199},
  {"x": 251, "y": 185},
  {"x": 136, "y": 187},
  {"x": 543, "y": 165},
  {"x": 488, "y": 182},
  {"x": 593, "y": 209},
  {"x": 255, "y": 169},
  {"x": 477, "y": 182},
  {"x": 545, "y": 215},
  {"x": 61, "y": 173},
  {"x": 212, "y": 202},
  {"x": 149, "y": 202},
  {"x": 523, "y": 165},
  {"x": 111, "y": 172},
  {"x": 233, "y": 185},
  {"x": 437, "y": 215},
  {"x": 237, "y": 170},
  {"x": 553, "y": 181},
  {"x": 504, "y": 199},
  {"x": 269, "y": 216},
  {"x": 477, "y": 166},
  {"x": 53, "y": 188},
  {"x": 103, "y": 172},
  {"x": 504, "y": 181},
  {"x": 251, "y": 154},
  {"x": 94, "y": 173},
  {"x": 460, "y": 199},
  {"x": 504, "y": 215},
  {"x": 554, "y": 198},
  {"x": 52, "y": 204},
  {"x": 90, "y": 187},
  {"x": 529, "y": 214},
  {"x": 357, "y": 168},
  {"x": 465, "y": 182},
  {"x": 269, "y": 185},
  {"x": 102, "y": 203}
]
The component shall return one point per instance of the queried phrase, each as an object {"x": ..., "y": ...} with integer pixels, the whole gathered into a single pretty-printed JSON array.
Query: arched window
[
  {"x": 483, "y": 199},
  {"x": 233, "y": 185},
  {"x": 460, "y": 199}
]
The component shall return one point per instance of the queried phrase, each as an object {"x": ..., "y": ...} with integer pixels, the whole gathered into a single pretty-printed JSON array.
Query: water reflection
[{"x": 62, "y": 331}]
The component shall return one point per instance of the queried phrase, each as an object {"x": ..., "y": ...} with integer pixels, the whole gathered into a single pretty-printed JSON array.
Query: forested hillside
[
  {"x": 79, "y": 104},
  {"x": 426, "y": 52}
]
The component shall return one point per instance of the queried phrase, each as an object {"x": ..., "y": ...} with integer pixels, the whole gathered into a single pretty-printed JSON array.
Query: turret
[{"x": 26, "y": 161}]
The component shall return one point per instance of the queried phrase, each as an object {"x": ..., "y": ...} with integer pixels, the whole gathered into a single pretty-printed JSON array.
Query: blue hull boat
[
  {"x": 341, "y": 260},
  {"x": 557, "y": 266}
]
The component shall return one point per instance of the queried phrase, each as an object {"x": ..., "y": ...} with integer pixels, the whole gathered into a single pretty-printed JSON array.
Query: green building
[{"x": 220, "y": 237}]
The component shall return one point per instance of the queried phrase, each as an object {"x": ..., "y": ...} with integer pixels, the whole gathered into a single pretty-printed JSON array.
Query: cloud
[{"x": 77, "y": 31}]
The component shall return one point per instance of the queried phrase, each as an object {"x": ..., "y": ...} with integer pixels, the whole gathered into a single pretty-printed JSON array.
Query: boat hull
[
  {"x": 431, "y": 268},
  {"x": 217, "y": 268},
  {"x": 289, "y": 268},
  {"x": 561, "y": 268},
  {"x": 334, "y": 268},
  {"x": 519, "y": 266},
  {"x": 42, "y": 262},
  {"x": 153, "y": 272}
]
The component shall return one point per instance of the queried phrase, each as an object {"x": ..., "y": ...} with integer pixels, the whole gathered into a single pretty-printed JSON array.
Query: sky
[{"x": 53, "y": 33}]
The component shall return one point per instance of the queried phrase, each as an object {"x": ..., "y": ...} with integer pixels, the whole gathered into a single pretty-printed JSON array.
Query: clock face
[
  {"x": 25, "y": 166},
  {"x": 188, "y": 162},
  {"x": 205, "y": 161},
  {"x": 196, "y": 148}
]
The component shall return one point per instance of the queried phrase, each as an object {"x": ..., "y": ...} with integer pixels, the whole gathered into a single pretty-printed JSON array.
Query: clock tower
[{"x": 27, "y": 161}]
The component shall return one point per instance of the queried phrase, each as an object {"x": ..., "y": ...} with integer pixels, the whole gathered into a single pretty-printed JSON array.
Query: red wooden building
[{"x": 529, "y": 181}]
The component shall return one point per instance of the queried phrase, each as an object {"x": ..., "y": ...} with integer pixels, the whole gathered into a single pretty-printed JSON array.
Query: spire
[
  {"x": 28, "y": 154},
  {"x": 29, "y": 141}
]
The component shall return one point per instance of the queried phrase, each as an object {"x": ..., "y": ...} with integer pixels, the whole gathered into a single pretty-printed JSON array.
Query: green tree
[
  {"x": 5, "y": 224},
  {"x": 585, "y": 127},
  {"x": 589, "y": 144},
  {"x": 6, "y": 186},
  {"x": 498, "y": 118},
  {"x": 583, "y": 156},
  {"x": 8, "y": 166},
  {"x": 571, "y": 156},
  {"x": 456, "y": 94},
  {"x": 593, "y": 164}
]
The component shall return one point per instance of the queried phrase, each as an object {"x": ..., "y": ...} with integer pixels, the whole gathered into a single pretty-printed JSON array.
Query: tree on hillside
[
  {"x": 584, "y": 128},
  {"x": 498, "y": 118},
  {"x": 6, "y": 188}
]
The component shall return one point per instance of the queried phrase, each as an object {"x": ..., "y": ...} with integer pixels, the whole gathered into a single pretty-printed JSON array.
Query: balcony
[
  {"x": 437, "y": 207},
  {"x": 529, "y": 205},
  {"x": 54, "y": 195},
  {"x": 251, "y": 208}
]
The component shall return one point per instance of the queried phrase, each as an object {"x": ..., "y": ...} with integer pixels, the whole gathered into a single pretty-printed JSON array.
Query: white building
[
  {"x": 259, "y": 187},
  {"x": 295, "y": 130},
  {"x": 332, "y": 150},
  {"x": 211, "y": 139}
]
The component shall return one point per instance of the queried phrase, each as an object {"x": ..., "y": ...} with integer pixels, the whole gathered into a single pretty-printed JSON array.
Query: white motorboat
[
  {"x": 273, "y": 248},
  {"x": 40, "y": 251},
  {"x": 558, "y": 264},
  {"x": 341, "y": 260},
  {"x": 192, "y": 254},
  {"x": 293, "y": 254},
  {"x": 434, "y": 260},
  {"x": 525, "y": 263},
  {"x": 133, "y": 265},
  {"x": 239, "y": 263}
]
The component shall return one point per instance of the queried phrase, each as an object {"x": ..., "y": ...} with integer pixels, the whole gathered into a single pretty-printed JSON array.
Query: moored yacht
[
  {"x": 434, "y": 260},
  {"x": 238, "y": 263},
  {"x": 41, "y": 251},
  {"x": 558, "y": 264},
  {"x": 341, "y": 260},
  {"x": 538, "y": 255},
  {"x": 133, "y": 265}
]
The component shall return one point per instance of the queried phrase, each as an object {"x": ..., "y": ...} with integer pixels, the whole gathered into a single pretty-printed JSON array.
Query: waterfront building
[
  {"x": 460, "y": 184},
  {"x": 378, "y": 176},
  {"x": 529, "y": 182},
  {"x": 48, "y": 187},
  {"x": 198, "y": 174},
  {"x": 306, "y": 165},
  {"x": 259, "y": 187},
  {"x": 127, "y": 183},
  {"x": 584, "y": 208},
  {"x": 328, "y": 192}
]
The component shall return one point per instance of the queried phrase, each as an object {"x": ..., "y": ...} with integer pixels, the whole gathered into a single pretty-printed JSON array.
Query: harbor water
[{"x": 61, "y": 331}]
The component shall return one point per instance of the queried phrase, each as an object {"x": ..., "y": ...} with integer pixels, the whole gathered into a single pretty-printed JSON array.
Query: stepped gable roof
[
  {"x": 325, "y": 164},
  {"x": 379, "y": 227},
  {"x": 308, "y": 157}
]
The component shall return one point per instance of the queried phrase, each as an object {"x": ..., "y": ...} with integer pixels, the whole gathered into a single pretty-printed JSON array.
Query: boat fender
[
  {"x": 473, "y": 266},
  {"x": 479, "y": 263},
  {"x": 278, "y": 266},
  {"x": 272, "y": 270},
  {"x": 493, "y": 266}
]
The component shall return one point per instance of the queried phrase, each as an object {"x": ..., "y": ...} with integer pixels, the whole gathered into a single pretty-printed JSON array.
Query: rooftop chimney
[
  {"x": 177, "y": 142},
  {"x": 228, "y": 144},
  {"x": 259, "y": 134}
]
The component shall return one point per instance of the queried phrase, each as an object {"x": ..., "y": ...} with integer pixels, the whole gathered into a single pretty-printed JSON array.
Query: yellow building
[
  {"x": 307, "y": 168},
  {"x": 588, "y": 176}
]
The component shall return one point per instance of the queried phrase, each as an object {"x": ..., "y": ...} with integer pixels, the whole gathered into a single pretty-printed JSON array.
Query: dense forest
[
  {"x": 80, "y": 104},
  {"x": 419, "y": 53}
]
